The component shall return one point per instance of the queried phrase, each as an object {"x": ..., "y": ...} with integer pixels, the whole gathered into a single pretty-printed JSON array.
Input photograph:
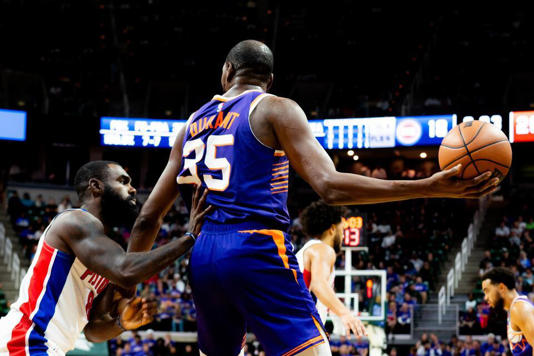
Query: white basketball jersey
[
  {"x": 321, "y": 308},
  {"x": 54, "y": 302}
]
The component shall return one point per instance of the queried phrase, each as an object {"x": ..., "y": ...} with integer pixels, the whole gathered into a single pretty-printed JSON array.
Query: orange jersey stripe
[
  {"x": 278, "y": 178},
  {"x": 278, "y": 164},
  {"x": 279, "y": 240},
  {"x": 279, "y": 191},
  {"x": 279, "y": 154},
  {"x": 303, "y": 346},
  {"x": 281, "y": 187},
  {"x": 280, "y": 182},
  {"x": 281, "y": 172},
  {"x": 279, "y": 168}
]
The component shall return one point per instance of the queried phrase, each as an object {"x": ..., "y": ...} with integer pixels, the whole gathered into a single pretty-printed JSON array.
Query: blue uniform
[
  {"x": 243, "y": 269},
  {"x": 518, "y": 342}
]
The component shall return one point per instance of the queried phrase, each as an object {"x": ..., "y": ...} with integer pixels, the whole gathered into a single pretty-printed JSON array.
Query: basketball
[{"x": 479, "y": 147}]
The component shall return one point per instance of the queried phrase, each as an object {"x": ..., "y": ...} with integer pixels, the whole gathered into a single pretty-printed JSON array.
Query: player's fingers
[
  {"x": 452, "y": 171},
  {"x": 490, "y": 190},
  {"x": 135, "y": 302},
  {"x": 203, "y": 198},
  {"x": 194, "y": 201},
  {"x": 479, "y": 179},
  {"x": 483, "y": 187},
  {"x": 202, "y": 214},
  {"x": 363, "y": 329}
]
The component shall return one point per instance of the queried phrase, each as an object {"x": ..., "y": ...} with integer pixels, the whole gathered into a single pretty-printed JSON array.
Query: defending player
[
  {"x": 74, "y": 263},
  {"x": 243, "y": 270},
  {"x": 498, "y": 285},
  {"x": 316, "y": 260}
]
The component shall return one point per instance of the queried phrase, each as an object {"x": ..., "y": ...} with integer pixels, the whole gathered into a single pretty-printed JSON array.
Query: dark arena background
[{"x": 381, "y": 87}]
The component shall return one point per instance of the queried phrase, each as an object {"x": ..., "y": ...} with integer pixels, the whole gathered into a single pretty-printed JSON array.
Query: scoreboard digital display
[
  {"x": 521, "y": 126},
  {"x": 382, "y": 132},
  {"x": 353, "y": 232},
  {"x": 136, "y": 132},
  {"x": 12, "y": 125}
]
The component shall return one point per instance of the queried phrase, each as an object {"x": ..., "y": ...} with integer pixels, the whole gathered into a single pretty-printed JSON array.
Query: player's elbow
[
  {"x": 126, "y": 280},
  {"x": 328, "y": 190}
]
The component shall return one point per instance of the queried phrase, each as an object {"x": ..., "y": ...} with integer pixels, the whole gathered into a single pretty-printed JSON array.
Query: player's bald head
[{"x": 251, "y": 58}]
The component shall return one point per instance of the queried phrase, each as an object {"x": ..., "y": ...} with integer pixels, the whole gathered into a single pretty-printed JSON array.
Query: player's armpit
[
  {"x": 522, "y": 315},
  {"x": 159, "y": 202}
]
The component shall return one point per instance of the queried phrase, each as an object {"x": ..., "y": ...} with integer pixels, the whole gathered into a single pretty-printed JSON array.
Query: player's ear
[
  {"x": 230, "y": 71},
  {"x": 270, "y": 82},
  {"x": 96, "y": 186}
]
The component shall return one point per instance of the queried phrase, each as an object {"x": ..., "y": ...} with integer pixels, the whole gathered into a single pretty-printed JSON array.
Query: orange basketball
[{"x": 479, "y": 147}]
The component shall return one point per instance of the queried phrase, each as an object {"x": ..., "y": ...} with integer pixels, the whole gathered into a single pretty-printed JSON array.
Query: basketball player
[
  {"x": 74, "y": 263},
  {"x": 498, "y": 285},
  {"x": 243, "y": 271},
  {"x": 317, "y": 258}
]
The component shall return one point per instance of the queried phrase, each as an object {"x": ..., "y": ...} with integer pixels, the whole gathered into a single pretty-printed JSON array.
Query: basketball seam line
[
  {"x": 468, "y": 143},
  {"x": 468, "y": 153},
  {"x": 492, "y": 161},
  {"x": 476, "y": 150},
  {"x": 476, "y": 134}
]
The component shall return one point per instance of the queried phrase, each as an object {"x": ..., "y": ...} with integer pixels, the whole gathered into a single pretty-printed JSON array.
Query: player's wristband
[
  {"x": 118, "y": 322},
  {"x": 192, "y": 236}
]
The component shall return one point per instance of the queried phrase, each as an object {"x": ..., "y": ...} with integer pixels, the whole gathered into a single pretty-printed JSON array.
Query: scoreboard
[
  {"x": 521, "y": 126},
  {"x": 382, "y": 132},
  {"x": 347, "y": 133},
  {"x": 137, "y": 132},
  {"x": 12, "y": 125},
  {"x": 353, "y": 232}
]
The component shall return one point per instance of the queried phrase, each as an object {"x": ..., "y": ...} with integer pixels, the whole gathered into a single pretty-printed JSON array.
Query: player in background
[
  {"x": 240, "y": 145},
  {"x": 66, "y": 287},
  {"x": 323, "y": 223},
  {"x": 498, "y": 285}
]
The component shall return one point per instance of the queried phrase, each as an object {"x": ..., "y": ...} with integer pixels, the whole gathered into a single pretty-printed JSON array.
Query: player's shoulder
[
  {"x": 77, "y": 222},
  {"x": 275, "y": 105},
  {"x": 521, "y": 308},
  {"x": 322, "y": 250}
]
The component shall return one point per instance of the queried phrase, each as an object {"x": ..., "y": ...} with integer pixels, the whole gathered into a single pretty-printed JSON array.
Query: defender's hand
[
  {"x": 445, "y": 184},
  {"x": 136, "y": 312},
  {"x": 352, "y": 323},
  {"x": 197, "y": 212}
]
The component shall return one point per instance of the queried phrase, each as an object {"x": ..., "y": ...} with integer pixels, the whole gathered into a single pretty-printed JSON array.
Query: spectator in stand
[
  {"x": 502, "y": 230},
  {"x": 468, "y": 322},
  {"x": 470, "y": 302},
  {"x": 404, "y": 319},
  {"x": 64, "y": 205},
  {"x": 361, "y": 347},
  {"x": 421, "y": 288},
  {"x": 27, "y": 201},
  {"x": 514, "y": 238},
  {"x": 524, "y": 261},
  {"x": 39, "y": 202},
  {"x": 149, "y": 340},
  {"x": 136, "y": 344}
]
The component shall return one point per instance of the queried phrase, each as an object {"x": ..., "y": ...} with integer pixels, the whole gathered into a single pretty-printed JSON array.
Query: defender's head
[
  {"x": 323, "y": 221},
  {"x": 108, "y": 184},
  {"x": 250, "y": 60},
  {"x": 496, "y": 283}
]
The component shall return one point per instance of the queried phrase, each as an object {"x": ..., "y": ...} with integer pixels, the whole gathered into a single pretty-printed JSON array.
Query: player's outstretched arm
[
  {"x": 159, "y": 202},
  {"x": 111, "y": 315},
  {"x": 311, "y": 162},
  {"x": 522, "y": 316},
  {"x": 85, "y": 236},
  {"x": 322, "y": 259}
]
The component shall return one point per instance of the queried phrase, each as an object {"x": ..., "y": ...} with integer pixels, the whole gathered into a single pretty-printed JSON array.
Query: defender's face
[
  {"x": 120, "y": 183},
  {"x": 491, "y": 293}
]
